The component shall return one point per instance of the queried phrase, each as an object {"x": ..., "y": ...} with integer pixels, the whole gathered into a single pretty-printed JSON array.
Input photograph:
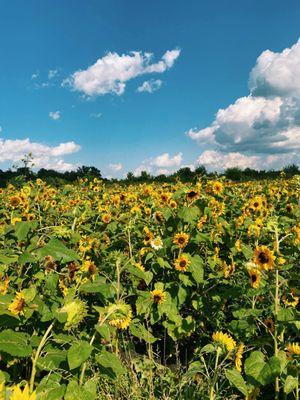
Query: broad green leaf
[
  {"x": 58, "y": 251},
  {"x": 254, "y": 365},
  {"x": 196, "y": 268},
  {"x": 76, "y": 392},
  {"x": 15, "y": 343},
  {"x": 236, "y": 379},
  {"x": 291, "y": 383},
  {"x": 78, "y": 353},
  {"x": 138, "y": 330},
  {"x": 110, "y": 364}
]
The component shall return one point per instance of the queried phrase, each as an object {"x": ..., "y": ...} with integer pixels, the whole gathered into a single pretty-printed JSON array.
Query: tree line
[{"x": 56, "y": 178}]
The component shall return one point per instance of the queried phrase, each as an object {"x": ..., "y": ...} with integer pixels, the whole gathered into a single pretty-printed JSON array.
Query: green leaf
[
  {"x": 77, "y": 392},
  {"x": 285, "y": 315},
  {"x": 22, "y": 229},
  {"x": 8, "y": 259},
  {"x": 247, "y": 251},
  {"x": 110, "y": 364},
  {"x": 58, "y": 251},
  {"x": 291, "y": 383},
  {"x": 270, "y": 371},
  {"x": 138, "y": 330},
  {"x": 78, "y": 353},
  {"x": 52, "y": 360},
  {"x": 189, "y": 214},
  {"x": 196, "y": 268},
  {"x": 254, "y": 365},
  {"x": 236, "y": 379},
  {"x": 50, "y": 388},
  {"x": 15, "y": 343}
]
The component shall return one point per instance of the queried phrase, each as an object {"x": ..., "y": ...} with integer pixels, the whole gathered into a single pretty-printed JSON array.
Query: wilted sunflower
[
  {"x": 148, "y": 235},
  {"x": 18, "y": 304},
  {"x": 158, "y": 296},
  {"x": 291, "y": 299},
  {"x": 255, "y": 277},
  {"x": 19, "y": 394},
  {"x": 239, "y": 357},
  {"x": 269, "y": 323},
  {"x": 264, "y": 257},
  {"x": 225, "y": 340},
  {"x": 182, "y": 263},
  {"x": 181, "y": 239}
]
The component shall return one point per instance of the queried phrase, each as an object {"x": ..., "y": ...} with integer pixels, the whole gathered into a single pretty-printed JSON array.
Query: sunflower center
[{"x": 263, "y": 258}]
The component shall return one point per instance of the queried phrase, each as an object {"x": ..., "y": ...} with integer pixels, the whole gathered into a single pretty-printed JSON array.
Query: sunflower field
[{"x": 153, "y": 291}]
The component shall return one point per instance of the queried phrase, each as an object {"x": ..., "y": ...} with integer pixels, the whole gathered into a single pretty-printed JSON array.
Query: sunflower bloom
[
  {"x": 18, "y": 304},
  {"x": 239, "y": 357},
  {"x": 293, "y": 349},
  {"x": 19, "y": 394},
  {"x": 119, "y": 315},
  {"x": 158, "y": 296},
  {"x": 182, "y": 263},
  {"x": 225, "y": 340},
  {"x": 264, "y": 258},
  {"x": 181, "y": 239},
  {"x": 255, "y": 277},
  {"x": 157, "y": 243}
]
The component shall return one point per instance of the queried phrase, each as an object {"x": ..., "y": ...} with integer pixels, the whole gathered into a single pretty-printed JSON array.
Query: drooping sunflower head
[
  {"x": 158, "y": 296},
  {"x": 181, "y": 239},
  {"x": 264, "y": 258},
  {"x": 182, "y": 263},
  {"x": 225, "y": 340},
  {"x": 148, "y": 235},
  {"x": 118, "y": 315},
  {"x": 76, "y": 311},
  {"x": 239, "y": 357}
]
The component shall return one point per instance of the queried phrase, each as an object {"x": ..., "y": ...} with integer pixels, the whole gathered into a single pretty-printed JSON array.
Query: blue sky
[{"x": 219, "y": 43}]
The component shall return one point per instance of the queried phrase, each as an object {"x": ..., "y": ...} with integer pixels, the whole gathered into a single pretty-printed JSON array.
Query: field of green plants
[{"x": 150, "y": 291}]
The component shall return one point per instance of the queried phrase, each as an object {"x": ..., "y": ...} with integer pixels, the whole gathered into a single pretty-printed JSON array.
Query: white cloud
[
  {"x": 55, "y": 115},
  {"x": 277, "y": 73},
  {"x": 96, "y": 115},
  {"x": 150, "y": 86},
  {"x": 44, "y": 156},
  {"x": 52, "y": 73},
  {"x": 35, "y": 75},
  {"x": 262, "y": 128},
  {"x": 162, "y": 164},
  {"x": 110, "y": 73},
  {"x": 115, "y": 167}
]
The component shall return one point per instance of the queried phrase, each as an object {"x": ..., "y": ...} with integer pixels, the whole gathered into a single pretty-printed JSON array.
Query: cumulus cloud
[
  {"x": 277, "y": 73},
  {"x": 115, "y": 167},
  {"x": 96, "y": 115},
  {"x": 55, "y": 115},
  {"x": 110, "y": 73},
  {"x": 150, "y": 86},
  {"x": 44, "y": 156},
  {"x": 162, "y": 164},
  {"x": 262, "y": 129}
]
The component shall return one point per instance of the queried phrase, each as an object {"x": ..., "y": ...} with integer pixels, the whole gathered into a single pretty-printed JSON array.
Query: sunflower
[
  {"x": 256, "y": 204},
  {"x": 225, "y": 340},
  {"x": 217, "y": 187},
  {"x": 182, "y": 263},
  {"x": 15, "y": 201},
  {"x": 181, "y": 239},
  {"x": 269, "y": 323},
  {"x": 264, "y": 258},
  {"x": 18, "y": 304},
  {"x": 89, "y": 267},
  {"x": 293, "y": 349},
  {"x": 19, "y": 394},
  {"x": 228, "y": 270},
  {"x": 4, "y": 283},
  {"x": 148, "y": 235},
  {"x": 106, "y": 218},
  {"x": 85, "y": 244},
  {"x": 255, "y": 277},
  {"x": 192, "y": 195},
  {"x": 173, "y": 204},
  {"x": 76, "y": 311},
  {"x": 118, "y": 315},
  {"x": 291, "y": 299},
  {"x": 201, "y": 222},
  {"x": 158, "y": 296},
  {"x": 156, "y": 243},
  {"x": 239, "y": 357}
]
